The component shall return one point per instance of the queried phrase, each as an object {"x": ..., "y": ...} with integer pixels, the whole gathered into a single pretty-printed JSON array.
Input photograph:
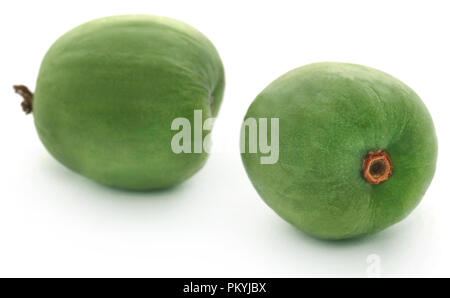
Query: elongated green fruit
[
  {"x": 108, "y": 91},
  {"x": 357, "y": 149}
]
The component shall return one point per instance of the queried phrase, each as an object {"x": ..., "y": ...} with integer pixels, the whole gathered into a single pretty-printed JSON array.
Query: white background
[{"x": 54, "y": 222}]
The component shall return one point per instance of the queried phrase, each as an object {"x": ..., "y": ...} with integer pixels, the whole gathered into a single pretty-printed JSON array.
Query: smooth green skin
[
  {"x": 108, "y": 91},
  {"x": 330, "y": 116}
]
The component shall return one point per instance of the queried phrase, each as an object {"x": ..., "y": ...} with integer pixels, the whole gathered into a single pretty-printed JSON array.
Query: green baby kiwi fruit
[
  {"x": 108, "y": 91},
  {"x": 357, "y": 149}
]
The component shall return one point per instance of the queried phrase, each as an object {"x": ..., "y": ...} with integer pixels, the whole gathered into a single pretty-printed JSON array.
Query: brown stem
[
  {"x": 377, "y": 167},
  {"x": 27, "y": 103}
]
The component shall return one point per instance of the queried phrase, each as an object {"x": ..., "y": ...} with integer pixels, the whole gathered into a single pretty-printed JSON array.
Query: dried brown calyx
[
  {"x": 27, "y": 103},
  {"x": 377, "y": 167}
]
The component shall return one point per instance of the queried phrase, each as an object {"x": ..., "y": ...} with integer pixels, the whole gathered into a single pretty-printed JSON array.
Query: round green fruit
[
  {"x": 357, "y": 149},
  {"x": 108, "y": 91}
]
